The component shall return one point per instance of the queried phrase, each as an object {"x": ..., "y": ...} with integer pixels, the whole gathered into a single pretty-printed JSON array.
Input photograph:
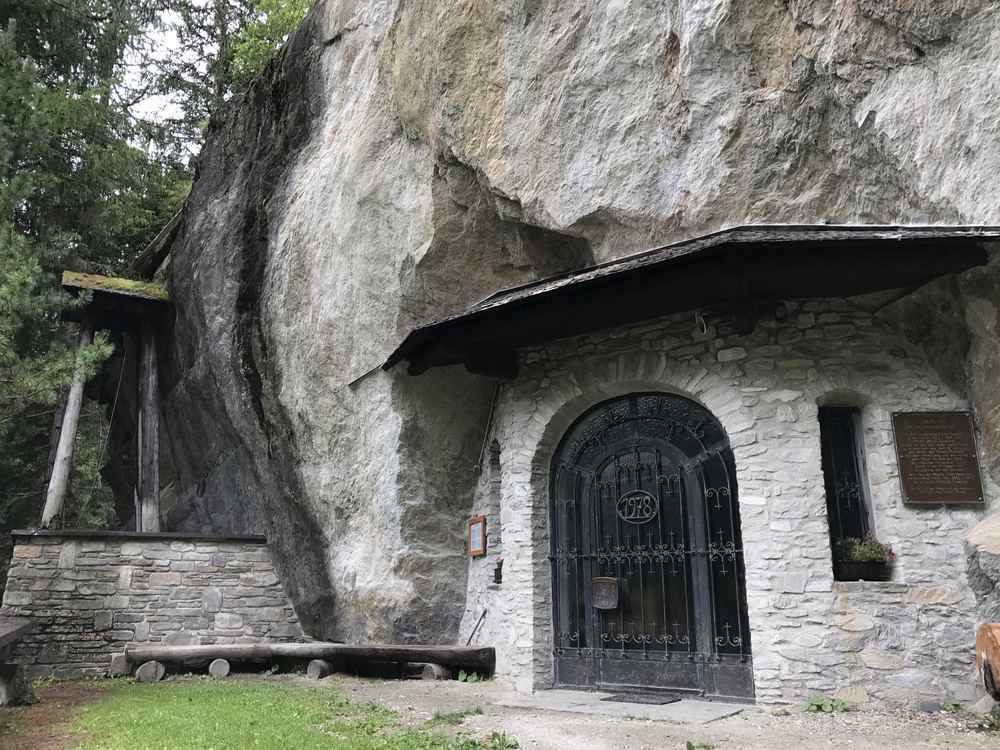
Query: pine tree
[
  {"x": 257, "y": 41},
  {"x": 198, "y": 54},
  {"x": 74, "y": 192},
  {"x": 85, "y": 184}
]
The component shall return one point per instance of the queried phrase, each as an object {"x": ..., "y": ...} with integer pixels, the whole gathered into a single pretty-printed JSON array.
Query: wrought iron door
[{"x": 647, "y": 559}]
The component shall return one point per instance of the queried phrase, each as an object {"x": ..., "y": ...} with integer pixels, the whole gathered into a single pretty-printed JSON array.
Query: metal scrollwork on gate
[
  {"x": 670, "y": 483},
  {"x": 637, "y": 507},
  {"x": 674, "y": 639},
  {"x": 671, "y": 553},
  {"x": 717, "y": 494},
  {"x": 722, "y": 552},
  {"x": 733, "y": 641}
]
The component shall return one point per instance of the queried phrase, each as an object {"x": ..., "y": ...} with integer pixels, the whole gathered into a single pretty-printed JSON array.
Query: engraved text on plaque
[{"x": 938, "y": 462}]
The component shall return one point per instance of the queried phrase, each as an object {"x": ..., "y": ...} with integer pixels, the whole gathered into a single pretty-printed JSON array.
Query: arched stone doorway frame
[{"x": 536, "y": 413}]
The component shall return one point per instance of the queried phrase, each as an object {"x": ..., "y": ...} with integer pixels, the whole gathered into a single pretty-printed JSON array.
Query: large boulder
[
  {"x": 398, "y": 161},
  {"x": 982, "y": 549}
]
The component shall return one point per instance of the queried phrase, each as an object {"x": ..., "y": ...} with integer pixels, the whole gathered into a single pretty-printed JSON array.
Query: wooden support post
[
  {"x": 59, "y": 481},
  {"x": 150, "y": 671},
  {"x": 148, "y": 518},
  {"x": 318, "y": 669},
  {"x": 436, "y": 672},
  {"x": 219, "y": 668},
  {"x": 119, "y": 666},
  {"x": 15, "y": 687}
]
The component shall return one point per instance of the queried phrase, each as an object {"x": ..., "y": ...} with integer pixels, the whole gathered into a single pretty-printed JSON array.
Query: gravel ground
[
  {"x": 416, "y": 701},
  {"x": 755, "y": 727}
]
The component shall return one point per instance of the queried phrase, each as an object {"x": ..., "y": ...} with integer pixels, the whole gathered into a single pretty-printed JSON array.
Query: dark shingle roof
[{"x": 746, "y": 262}]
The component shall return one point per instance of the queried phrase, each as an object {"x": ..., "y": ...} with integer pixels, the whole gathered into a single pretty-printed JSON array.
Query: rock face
[
  {"x": 399, "y": 161},
  {"x": 983, "y": 552}
]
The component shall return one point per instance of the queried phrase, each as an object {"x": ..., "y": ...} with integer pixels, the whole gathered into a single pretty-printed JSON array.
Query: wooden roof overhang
[
  {"x": 115, "y": 303},
  {"x": 734, "y": 268}
]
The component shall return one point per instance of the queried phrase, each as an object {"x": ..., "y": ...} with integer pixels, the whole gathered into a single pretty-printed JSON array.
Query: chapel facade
[{"x": 668, "y": 501}]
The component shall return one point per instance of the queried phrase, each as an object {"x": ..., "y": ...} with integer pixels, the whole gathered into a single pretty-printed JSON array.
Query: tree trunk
[
  {"x": 480, "y": 660},
  {"x": 59, "y": 481},
  {"x": 57, "y": 420},
  {"x": 223, "y": 60},
  {"x": 149, "y": 436}
]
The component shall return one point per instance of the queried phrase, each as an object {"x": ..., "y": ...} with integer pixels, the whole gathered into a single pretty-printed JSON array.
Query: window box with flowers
[{"x": 865, "y": 559}]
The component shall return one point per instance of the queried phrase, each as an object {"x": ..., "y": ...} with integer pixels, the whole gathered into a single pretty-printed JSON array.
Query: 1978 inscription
[{"x": 938, "y": 461}]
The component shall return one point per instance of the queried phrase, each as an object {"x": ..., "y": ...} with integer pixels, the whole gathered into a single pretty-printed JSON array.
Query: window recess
[{"x": 844, "y": 472}]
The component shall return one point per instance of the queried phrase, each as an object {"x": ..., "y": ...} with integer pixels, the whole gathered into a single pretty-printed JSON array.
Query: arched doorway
[{"x": 647, "y": 559}]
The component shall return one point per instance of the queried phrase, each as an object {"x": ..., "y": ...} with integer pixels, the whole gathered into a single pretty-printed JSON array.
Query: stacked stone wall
[
  {"x": 895, "y": 641},
  {"x": 90, "y": 594}
]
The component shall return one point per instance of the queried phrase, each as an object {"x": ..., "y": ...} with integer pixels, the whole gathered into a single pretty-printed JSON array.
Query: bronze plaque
[
  {"x": 605, "y": 592},
  {"x": 938, "y": 461}
]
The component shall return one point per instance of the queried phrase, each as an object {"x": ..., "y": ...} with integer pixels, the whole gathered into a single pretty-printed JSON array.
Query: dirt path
[
  {"x": 753, "y": 729},
  {"x": 40, "y": 726}
]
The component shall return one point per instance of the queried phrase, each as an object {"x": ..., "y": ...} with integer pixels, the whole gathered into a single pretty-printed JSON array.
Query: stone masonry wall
[
  {"x": 895, "y": 641},
  {"x": 91, "y": 593}
]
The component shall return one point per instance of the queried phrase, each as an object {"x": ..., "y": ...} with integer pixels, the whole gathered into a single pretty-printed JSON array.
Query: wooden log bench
[
  {"x": 479, "y": 660},
  {"x": 15, "y": 687}
]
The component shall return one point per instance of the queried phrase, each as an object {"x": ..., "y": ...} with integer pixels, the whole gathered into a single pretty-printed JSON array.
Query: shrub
[
  {"x": 820, "y": 704},
  {"x": 868, "y": 549}
]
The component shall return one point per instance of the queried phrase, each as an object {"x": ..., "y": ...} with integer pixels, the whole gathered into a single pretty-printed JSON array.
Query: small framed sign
[
  {"x": 476, "y": 540},
  {"x": 938, "y": 459}
]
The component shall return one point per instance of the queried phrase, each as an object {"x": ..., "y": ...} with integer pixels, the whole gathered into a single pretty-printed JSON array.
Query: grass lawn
[{"x": 205, "y": 714}]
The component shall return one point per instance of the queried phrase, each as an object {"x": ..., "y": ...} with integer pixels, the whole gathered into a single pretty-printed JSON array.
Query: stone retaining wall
[{"x": 91, "y": 593}]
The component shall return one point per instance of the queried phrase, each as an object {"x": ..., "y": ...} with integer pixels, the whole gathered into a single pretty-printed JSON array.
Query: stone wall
[
  {"x": 897, "y": 640},
  {"x": 91, "y": 593}
]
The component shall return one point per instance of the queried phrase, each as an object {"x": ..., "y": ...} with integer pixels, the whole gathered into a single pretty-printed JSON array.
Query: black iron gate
[{"x": 647, "y": 559}]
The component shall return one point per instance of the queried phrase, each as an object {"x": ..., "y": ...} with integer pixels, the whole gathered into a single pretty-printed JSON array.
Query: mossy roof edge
[{"x": 147, "y": 290}]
